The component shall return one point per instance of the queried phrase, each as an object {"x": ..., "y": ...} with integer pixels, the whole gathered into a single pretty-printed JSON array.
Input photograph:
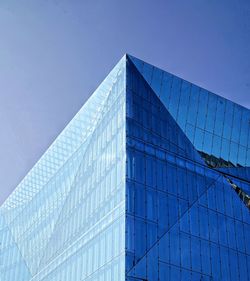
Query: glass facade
[
  {"x": 66, "y": 219},
  {"x": 149, "y": 182},
  {"x": 214, "y": 125},
  {"x": 184, "y": 220}
]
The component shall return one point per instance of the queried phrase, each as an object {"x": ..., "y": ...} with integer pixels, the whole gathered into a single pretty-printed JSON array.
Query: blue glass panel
[
  {"x": 242, "y": 172},
  {"x": 200, "y": 111},
  {"x": 194, "y": 220}
]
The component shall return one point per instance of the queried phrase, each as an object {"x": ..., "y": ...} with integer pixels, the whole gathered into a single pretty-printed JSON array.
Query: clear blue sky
[{"x": 54, "y": 53}]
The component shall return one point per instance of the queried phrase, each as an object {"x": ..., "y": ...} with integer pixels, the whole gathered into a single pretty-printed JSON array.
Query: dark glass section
[
  {"x": 215, "y": 162},
  {"x": 238, "y": 172},
  {"x": 214, "y": 125},
  {"x": 183, "y": 219}
]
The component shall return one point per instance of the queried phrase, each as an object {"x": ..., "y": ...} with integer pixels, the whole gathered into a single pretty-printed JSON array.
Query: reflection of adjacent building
[
  {"x": 214, "y": 162},
  {"x": 243, "y": 196}
]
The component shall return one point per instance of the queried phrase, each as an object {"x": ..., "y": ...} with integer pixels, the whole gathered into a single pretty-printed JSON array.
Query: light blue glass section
[
  {"x": 214, "y": 125},
  {"x": 66, "y": 219},
  {"x": 12, "y": 264}
]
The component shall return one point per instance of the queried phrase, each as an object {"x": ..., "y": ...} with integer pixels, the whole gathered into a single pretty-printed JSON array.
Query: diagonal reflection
[
  {"x": 166, "y": 232},
  {"x": 44, "y": 260}
]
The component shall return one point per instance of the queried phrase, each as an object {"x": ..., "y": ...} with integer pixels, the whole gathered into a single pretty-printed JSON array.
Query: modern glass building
[{"x": 150, "y": 181}]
